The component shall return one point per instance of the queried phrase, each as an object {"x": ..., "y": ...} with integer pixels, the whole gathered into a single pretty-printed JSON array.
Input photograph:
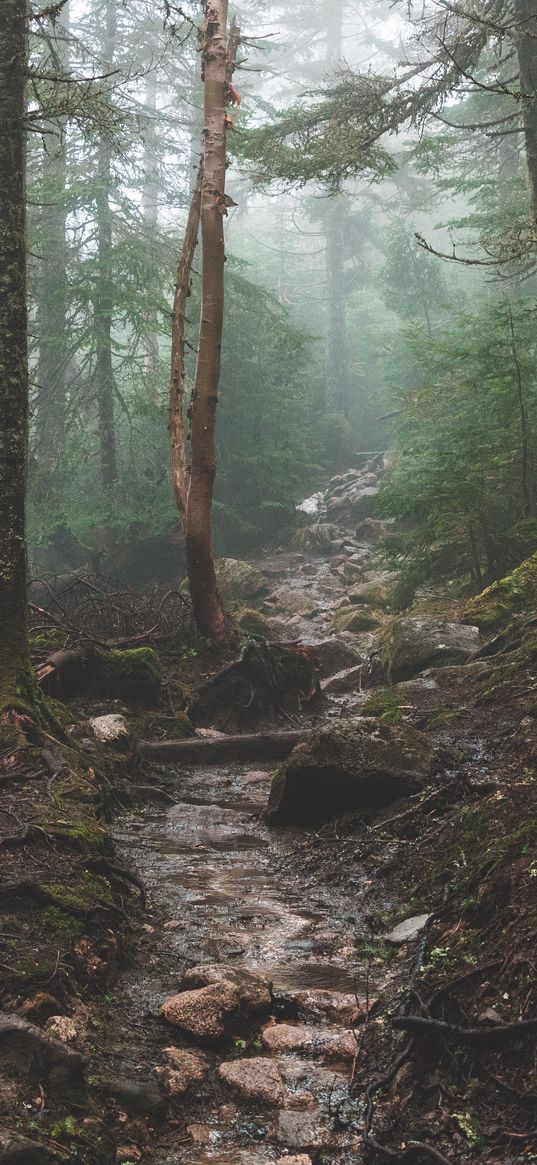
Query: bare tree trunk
[
  {"x": 16, "y": 685},
  {"x": 51, "y": 283},
  {"x": 176, "y": 424},
  {"x": 526, "y": 46},
  {"x": 206, "y": 601},
  {"x": 104, "y": 294},
  {"x": 150, "y": 192}
]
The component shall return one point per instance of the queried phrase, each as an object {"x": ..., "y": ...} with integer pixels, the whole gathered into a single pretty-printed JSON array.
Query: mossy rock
[
  {"x": 493, "y": 608},
  {"x": 410, "y": 645},
  {"x": 131, "y": 674},
  {"x": 252, "y": 622},
  {"x": 183, "y": 726},
  {"x": 354, "y": 619},
  {"x": 354, "y": 764},
  {"x": 317, "y": 539},
  {"x": 384, "y": 703},
  {"x": 377, "y": 592},
  {"x": 239, "y": 580}
]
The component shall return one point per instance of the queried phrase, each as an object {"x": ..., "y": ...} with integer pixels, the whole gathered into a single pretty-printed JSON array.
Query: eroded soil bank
[{"x": 285, "y": 993}]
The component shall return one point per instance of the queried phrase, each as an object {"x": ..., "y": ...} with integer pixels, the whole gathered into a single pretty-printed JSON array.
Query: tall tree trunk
[
  {"x": 206, "y": 601},
  {"x": 104, "y": 292},
  {"x": 51, "y": 284},
  {"x": 150, "y": 193},
  {"x": 336, "y": 325},
  {"x": 16, "y": 687},
  {"x": 176, "y": 424},
  {"x": 526, "y": 46}
]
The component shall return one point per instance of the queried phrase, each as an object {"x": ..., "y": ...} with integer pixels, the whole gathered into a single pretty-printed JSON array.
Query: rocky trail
[{"x": 295, "y": 924}]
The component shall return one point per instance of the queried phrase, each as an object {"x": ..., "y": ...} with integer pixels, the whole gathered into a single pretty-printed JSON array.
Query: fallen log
[{"x": 252, "y": 746}]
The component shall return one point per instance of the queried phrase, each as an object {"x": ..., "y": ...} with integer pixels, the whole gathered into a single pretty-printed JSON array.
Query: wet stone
[
  {"x": 255, "y": 1080},
  {"x": 205, "y": 1014},
  {"x": 408, "y": 930},
  {"x": 337, "y": 1006},
  {"x": 183, "y": 1070},
  {"x": 254, "y": 990}
]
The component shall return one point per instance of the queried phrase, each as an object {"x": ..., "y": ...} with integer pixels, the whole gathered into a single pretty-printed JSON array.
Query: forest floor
[{"x": 319, "y": 1039}]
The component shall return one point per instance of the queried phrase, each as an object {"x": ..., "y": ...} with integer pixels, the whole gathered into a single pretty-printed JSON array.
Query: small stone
[
  {"x": 111, "y": 730},
  {"x": 490, "y": 1015},
  {"x": 254, "y": 990},
  {"x": 175, "y": 924},
  {"x": 301, "y": 1159},
  {"x": 62, "y": 1028},
  {"x": 408, "y": 930},
  {"x": 286, "y": 1037},
  {"x": 256, "y": 1079},
  {"x": 204, "y": 1014},
  {"x": 128, "y": 1153},
  {"x": 300, "y": 1102},
  {"x": 334, "y": 1005},
  {"x": 183, "y": 1070},
  {"x": 199, "y": 1134}
]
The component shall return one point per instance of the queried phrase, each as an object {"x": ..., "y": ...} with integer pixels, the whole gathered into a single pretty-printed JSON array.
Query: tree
[
  {"x": 206, "y": 601},
  {"x": 16, "y": 684}
]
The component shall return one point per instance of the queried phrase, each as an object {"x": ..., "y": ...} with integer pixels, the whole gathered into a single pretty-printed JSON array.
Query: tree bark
[
  {"x": 176, "y": 423},
  {"x": 206, "y": 601},
  {"x": 104, "y": 293},
  {"x": 51, "y": 289},
  {"x": 526, "y": 46},
  {"x": 16, "y": 684}
]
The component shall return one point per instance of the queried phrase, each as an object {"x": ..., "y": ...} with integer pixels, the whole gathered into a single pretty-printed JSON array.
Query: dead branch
[
  {"x": 252, "y": 746},
  {"x": 476, "y": 1037}
]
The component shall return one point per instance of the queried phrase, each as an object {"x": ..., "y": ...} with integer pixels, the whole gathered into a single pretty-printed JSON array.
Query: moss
[
  {"x": 83, "y": 832},
  {"x": 386, "y": 704},
  {"x": 354, "y": 619},
  {"x": 133, "y": 673},
  {"x": 516, "y": 592},
  {"x": 89, "y": 890},
  {"x": 183, "y": 726},
  {"x": 63, "y": 926},
  {"x": 253, "y": 623},
  {"x": 444, "y": 718}
]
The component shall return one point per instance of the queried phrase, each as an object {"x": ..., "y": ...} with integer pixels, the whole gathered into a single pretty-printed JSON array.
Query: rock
[
  {"x": 330, "y": 1044},
  {"x": 347, "y": 680},
  {"x": 239, "y": 580},
  {"x": 111, "y": 730},
  {"x": 294, "y": 602},
  {"x": 317, "y": 539},
  {"x": 358, "y": 763},
  {"x": 205, "y": 1014},
  {"x": 374, "y": 589},
  {"x": 137, "y": 1096},
  {"x": 17, "y": 1150},
  {"x": 337, "y": 1006},
  {"x": 31, "y": 1051},
  {"x": 62, "y": 1028},
  {"x": 303, "y": 1130},
  {"x": 407, "y": 931},
  {"x": 301, "y": 1159},
  {"x": 494, "y": 607},
  {"x": 126, "y": 1154},
  {"x": 40, "y": 1006},
  {"x": 254, "y": 623},
  {"x": 374, "y": 530},
  {"x": 257, "y": 1079},
  {"x": 413, "y": 644},
  {"x": 357, "y": 619},
  {"x": 457, "y": 675},
  {"x": 184, "y": 1069},
  {"x": 255, "y": 991},
  {"x": 334, "y": 654},
  {"x": 419, "y": 684},
  {"x": 199, "y": 1134}
]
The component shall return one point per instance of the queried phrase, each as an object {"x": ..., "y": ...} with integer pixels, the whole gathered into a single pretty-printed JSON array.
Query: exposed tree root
[{"x": 476, "y": 1037}]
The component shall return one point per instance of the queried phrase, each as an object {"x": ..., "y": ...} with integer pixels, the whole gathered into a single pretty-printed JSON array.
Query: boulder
[
  {"x": 239, "y": 580},
  {"x": 335, "y": 654},
  {"x": 494, "y": 607},
  {"x": 411, "y": 644},
  {"x": 376, "y": 589},
  {"x": 293, "y": 602},
  {"x": 252, "y": 622},
  {"x": 328, "y": 1043},
  {"x": 347, "y": 680},
  {"x": 336, "y": 1006},
  {"x": 257, "y": 1079},
  {"x": 31, "y": 1051},
  {"x": 356, "y": 620},
  {"x": 374, "y": 530},
  {"x": 255, "y": 991},
  {"x": 354, "y": 764},
  {"x": 317, "y": 539},
  {"x": 206, "y": 1014}
]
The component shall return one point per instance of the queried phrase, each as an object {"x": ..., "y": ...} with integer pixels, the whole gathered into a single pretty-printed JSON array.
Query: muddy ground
[{"x": 338, "y": 1050}]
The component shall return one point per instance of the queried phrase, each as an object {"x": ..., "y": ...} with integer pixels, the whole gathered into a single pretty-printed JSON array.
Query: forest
[{"x": 268, "y": 582}]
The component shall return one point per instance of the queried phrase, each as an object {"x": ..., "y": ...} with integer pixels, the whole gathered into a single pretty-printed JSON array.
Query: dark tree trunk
[
  {"x": 526, "y": 46},
  {"x": 176, "y": 422},
  {"x": 51, "y": 288},
  {"x": 16, "y": 686},
  {"x": 104, "y": 292},
  {"x": 206, "y": 601}
]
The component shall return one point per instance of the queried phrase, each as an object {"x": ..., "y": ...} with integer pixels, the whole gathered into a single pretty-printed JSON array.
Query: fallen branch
[
  {"x": 477, "y": 1037},
  {"x": 253, "y": 746}
]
